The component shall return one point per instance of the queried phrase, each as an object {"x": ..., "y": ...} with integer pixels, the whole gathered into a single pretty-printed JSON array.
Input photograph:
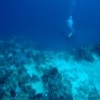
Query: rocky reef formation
[{"x": 30, "y": 74}]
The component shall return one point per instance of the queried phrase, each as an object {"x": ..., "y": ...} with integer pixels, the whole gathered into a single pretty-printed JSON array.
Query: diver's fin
[{"x": 70, "y": 34}]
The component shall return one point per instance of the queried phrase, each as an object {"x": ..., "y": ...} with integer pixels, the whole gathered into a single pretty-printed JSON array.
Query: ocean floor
[{"x": 30, "y": 74}]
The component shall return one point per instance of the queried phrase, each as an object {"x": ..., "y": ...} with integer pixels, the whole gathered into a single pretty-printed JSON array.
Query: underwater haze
[
  {"x": 49, "y": 49},
  {"x": 45, "y": 22}
]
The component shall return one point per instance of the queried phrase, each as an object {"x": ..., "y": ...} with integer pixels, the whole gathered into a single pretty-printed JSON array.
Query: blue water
[{"x": 44, "y": 22}]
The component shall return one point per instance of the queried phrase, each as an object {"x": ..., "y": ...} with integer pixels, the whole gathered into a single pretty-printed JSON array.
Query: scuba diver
[
  {"x": 70, "y": 26},
  {"x": 70, "y": 19}
]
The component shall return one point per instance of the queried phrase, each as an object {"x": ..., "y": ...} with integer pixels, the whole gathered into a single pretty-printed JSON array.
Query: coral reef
[{"x": 29, "y": 74}]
